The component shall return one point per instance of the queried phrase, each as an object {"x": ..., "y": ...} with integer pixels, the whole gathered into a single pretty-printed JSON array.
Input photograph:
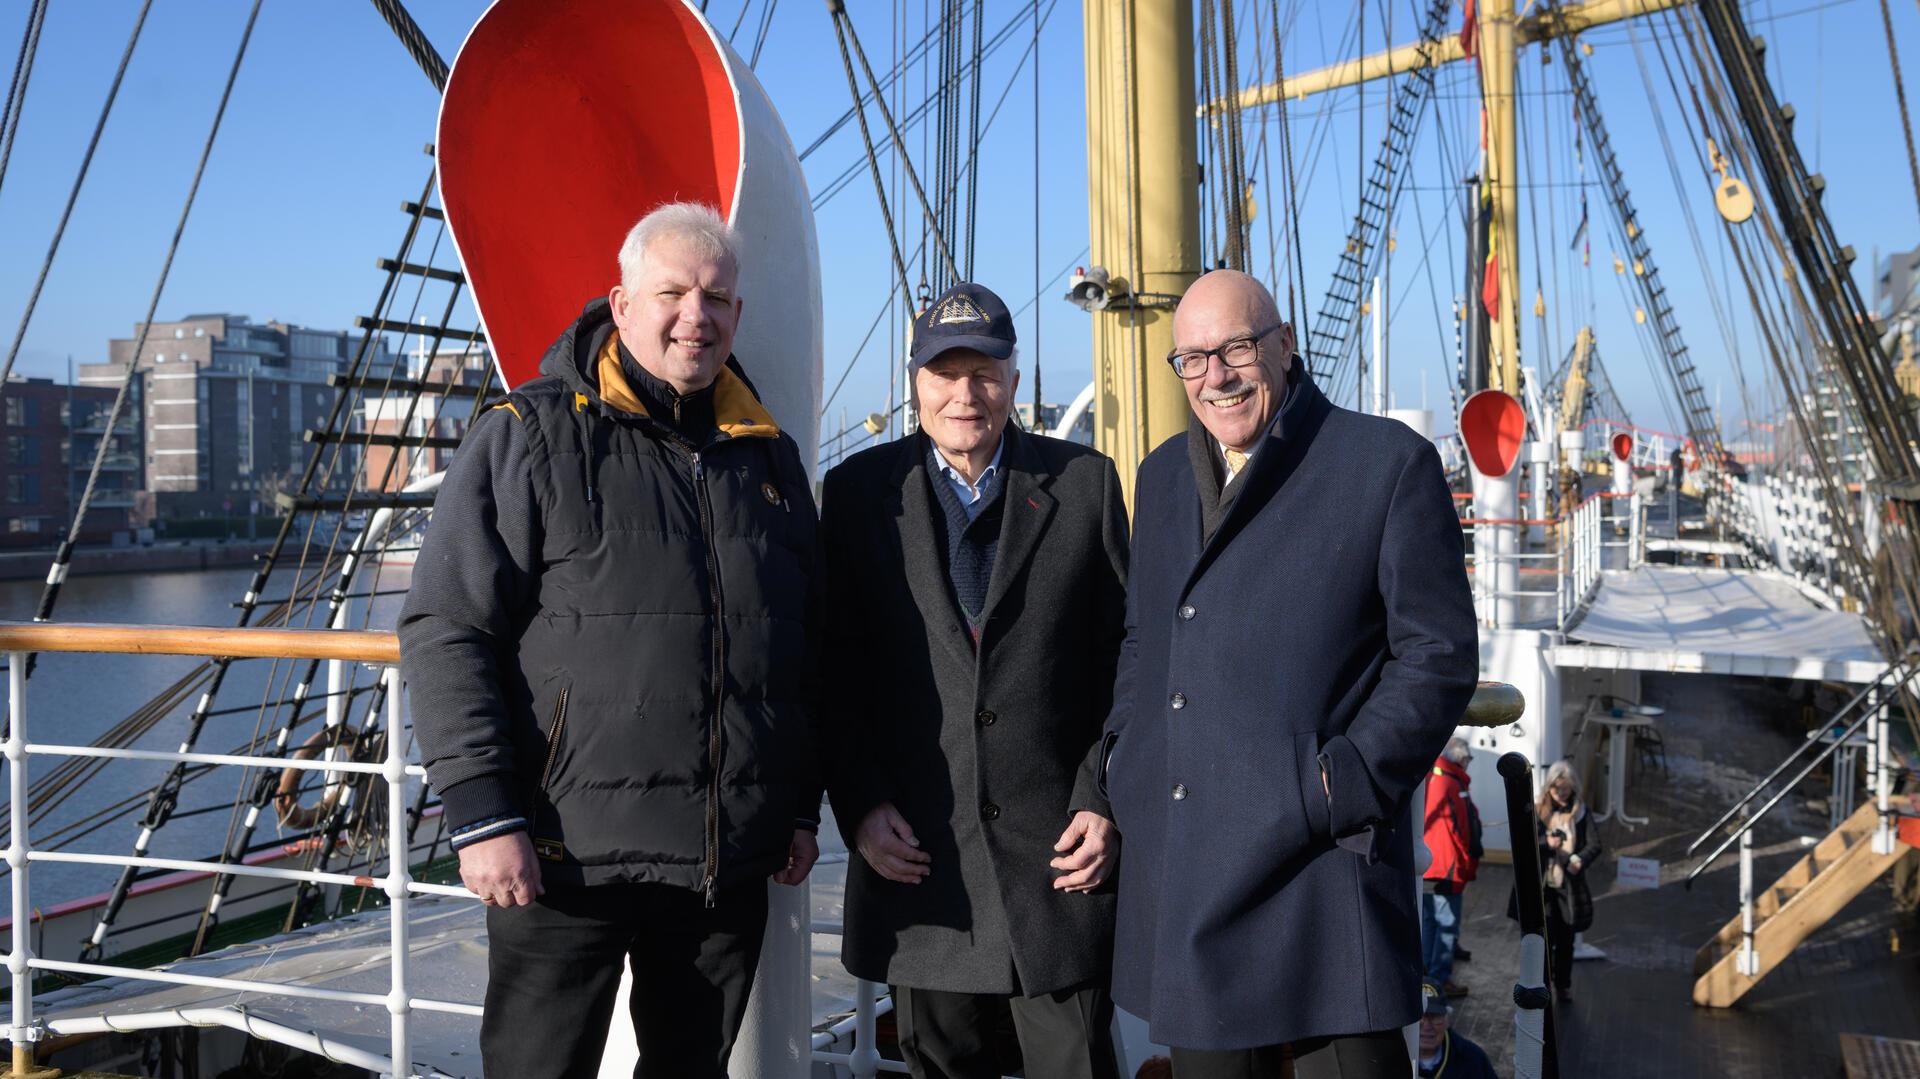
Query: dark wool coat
[
  {"x": 1326, "y": 624},
  {"x": 986, "y": 752}
]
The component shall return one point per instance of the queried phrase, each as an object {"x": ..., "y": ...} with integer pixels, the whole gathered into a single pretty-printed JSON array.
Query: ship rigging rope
[
  {"x": 917, "y": 117},
  {"x": 1816, "y": 253},
  {"x": 1900, "y": 94},
  {"x": 73, "y": 196},
  {"x": 873, "y": 164},
  {"x": 17, "y": 88},
  {"x": 64, "y": 554},
  {"x": 842, "y": 19},
  {"x": 414, "y": 41}
]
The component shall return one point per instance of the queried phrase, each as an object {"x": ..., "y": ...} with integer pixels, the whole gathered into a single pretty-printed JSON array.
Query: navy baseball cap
[
  {"x": 965, "y": 316},
  {"x": 1433, "y": 998}
]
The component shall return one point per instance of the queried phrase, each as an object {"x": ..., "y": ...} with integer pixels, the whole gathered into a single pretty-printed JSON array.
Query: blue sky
[{"x": 323, "y": 140}]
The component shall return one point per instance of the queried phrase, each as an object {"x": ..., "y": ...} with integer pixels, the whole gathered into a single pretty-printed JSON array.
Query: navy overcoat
[{"x": 1327, "y": 624}]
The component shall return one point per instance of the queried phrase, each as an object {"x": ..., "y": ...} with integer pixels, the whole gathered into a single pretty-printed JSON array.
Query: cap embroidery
[{"x": 958, "y": 309}]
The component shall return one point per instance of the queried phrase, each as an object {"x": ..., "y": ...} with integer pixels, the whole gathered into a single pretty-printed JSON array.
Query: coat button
[
  {"x": 1179, "y": 700},
  {"x": 1179, "y": 792},
  {"x": 986, "y": 718},
  {"x": 989, "y": 812},
  {"x": 1187, "y": 612}
]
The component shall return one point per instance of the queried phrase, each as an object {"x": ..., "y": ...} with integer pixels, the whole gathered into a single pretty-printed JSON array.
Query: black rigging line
[
  {"x": 838, "y": 9},
  {"x": 973, "y": 142},
  {"x": 873, "y": 162},
  {"x": 415, "y": 41},
  {"x": 917, "y": 118},
  {"x": 1900, "y": 93},
  {"x": 17, "y": 91},
  {"x": 73, "y": 196},
  {"x": 1036, "y": 208},
  {"x": 64, "y": 554},
  {"x": 760, "y": 38}
]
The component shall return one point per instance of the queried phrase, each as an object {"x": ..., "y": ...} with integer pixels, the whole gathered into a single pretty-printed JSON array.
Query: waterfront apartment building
[
  {"x": 438, "y": 420},
  {"x": 49, "y": 433},
  {"x": 224, "y": 403}
]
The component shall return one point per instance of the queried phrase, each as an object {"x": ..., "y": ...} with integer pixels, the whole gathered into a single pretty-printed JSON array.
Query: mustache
[{"x": 1221, "y": 393}]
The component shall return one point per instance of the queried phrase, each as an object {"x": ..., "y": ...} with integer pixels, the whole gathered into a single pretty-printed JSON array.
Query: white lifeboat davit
[{"x": 565, "y": 121}]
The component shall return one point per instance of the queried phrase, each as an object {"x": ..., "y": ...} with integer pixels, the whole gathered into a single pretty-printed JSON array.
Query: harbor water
[{"x": 74, "y": 699}]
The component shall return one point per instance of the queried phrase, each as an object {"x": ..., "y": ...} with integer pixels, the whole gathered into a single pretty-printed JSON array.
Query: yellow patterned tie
[{"x": 1235, "y": 462}]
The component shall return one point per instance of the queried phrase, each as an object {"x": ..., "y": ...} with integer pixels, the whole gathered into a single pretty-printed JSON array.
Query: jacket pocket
[
  {"x": 554, "y": 733},
  {"x": 1108, "y": 743},
  {"x": 1313, "y": 792}
]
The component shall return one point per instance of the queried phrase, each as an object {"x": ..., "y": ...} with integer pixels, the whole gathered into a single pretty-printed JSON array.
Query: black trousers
[
  {"x": 1064, "y": 1035},
  {"x": 1380, "y": 1055},
  {"x": 1559, "y": 949},
  {"x": 553, "y": 971}
]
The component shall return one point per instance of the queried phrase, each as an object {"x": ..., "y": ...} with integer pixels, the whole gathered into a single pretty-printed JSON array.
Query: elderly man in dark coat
[
  {"x": 976, "y": 579},
  {"x": 1300, "y": 644}
]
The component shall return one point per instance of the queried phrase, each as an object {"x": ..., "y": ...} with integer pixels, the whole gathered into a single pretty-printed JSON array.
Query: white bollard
[
  {"x": 1540, "y": 475},
  {"x": 1497, "y": 498},
  {"x": 776, "y": 1037}
]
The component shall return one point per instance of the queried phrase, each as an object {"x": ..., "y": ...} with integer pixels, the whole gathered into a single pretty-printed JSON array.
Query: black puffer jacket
[{"x": 592, "y": 590}]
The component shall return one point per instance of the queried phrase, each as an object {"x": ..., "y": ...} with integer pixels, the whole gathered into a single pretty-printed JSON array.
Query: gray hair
[
  {"x": 1457, "y": 750},
  {"x": 696, "y": 223}
]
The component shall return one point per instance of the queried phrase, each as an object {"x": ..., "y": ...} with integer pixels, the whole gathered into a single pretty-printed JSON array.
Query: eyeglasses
[{"x": 1239, "y": 351}]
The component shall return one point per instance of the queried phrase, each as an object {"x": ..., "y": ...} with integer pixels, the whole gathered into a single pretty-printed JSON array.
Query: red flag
[
  {"x": 1490, "y": 287},
  {"x": 1469, "y": 27}
]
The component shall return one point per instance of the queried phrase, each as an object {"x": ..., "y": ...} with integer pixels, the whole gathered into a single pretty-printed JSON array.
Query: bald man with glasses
[{"x": 1300, "y": 643}]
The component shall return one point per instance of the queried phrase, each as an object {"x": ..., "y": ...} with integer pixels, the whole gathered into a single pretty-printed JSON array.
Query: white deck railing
[{"x": 377, "y": 649}]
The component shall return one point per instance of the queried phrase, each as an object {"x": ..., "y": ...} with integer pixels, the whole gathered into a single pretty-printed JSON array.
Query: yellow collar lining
[{"x": 738, "y": 413}]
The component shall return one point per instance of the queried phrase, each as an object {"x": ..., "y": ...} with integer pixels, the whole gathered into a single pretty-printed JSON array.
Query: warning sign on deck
[{"x": 1637, "y": 872}]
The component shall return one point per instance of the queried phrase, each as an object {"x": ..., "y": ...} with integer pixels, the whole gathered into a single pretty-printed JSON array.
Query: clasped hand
[{"x": 1088, "y": 849}]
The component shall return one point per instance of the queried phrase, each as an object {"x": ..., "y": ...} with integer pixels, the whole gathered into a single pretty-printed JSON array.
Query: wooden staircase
[{"x": 1806, "y": 897}]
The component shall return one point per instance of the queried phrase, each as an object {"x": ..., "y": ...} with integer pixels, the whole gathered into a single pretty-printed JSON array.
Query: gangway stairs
[{"x": 1775, "y": 920}]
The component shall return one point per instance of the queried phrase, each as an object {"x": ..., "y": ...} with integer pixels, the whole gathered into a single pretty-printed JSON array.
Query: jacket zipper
[
  {"x": 719, "y": 680},
  {"x": 553, "y": 737}
]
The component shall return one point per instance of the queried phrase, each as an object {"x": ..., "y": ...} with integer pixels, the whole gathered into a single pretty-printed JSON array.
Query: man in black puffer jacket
[{"x": 606, "y": 647}]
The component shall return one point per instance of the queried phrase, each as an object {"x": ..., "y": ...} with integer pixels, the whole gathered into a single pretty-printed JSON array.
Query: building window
[
  {"x": 23, "y": 451},
  {"x": 23, "y": 490}
]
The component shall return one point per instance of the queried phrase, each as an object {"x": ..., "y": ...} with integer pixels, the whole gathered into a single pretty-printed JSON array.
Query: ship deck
[
  {"x": 1706, "y": 620},
  {"x": 1632, "y": 1012}
]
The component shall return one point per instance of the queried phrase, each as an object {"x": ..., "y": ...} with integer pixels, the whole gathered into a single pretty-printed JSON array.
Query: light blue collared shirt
[{"x": 972, "y": 495}]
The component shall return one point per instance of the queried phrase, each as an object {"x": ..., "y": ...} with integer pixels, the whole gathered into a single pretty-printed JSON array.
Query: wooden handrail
[{"x": 353, "y": 645}]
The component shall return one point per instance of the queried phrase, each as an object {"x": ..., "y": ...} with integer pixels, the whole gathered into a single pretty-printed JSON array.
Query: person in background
[
  {"x": 1569, "y": 845},
  {"x": 1156, "y": 1067},
  {"x": 1449, "y": 834},
  {"x": 1444, "y": 1052},
  {"x": 1476, "y": 850}
]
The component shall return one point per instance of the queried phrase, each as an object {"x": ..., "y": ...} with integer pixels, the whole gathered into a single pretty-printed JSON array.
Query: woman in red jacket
[{"x": 1449, "y": 834}]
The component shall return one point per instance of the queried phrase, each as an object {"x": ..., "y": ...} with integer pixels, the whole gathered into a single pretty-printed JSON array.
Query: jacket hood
[
  {"x": 585, "y": 360},
  {"x": 1443, "y": 766}
]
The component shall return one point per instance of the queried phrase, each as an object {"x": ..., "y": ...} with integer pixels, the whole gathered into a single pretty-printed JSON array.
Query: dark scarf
[
  {"x": 688, "y": 415},
  {"x": 1209, "y": 467},
  {"x": 970, "y": 545}
]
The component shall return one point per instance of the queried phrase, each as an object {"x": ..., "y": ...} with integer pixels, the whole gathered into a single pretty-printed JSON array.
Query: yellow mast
[
  {"x": 1573, "y": 399},
  {"x": 1501, "y": 180},
  {"x": 1143, "y": 202},
  {"x": 1501, "y": 34}
]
